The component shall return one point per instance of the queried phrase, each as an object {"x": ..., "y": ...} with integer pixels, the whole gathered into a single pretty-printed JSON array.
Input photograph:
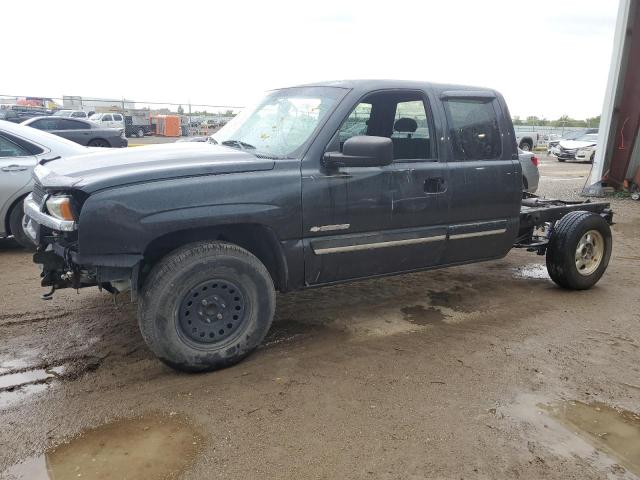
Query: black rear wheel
[
  {"x": 206, "y": 306},
  {"x": 99, "y": 142},
  {"x": 579, "y": 250}
]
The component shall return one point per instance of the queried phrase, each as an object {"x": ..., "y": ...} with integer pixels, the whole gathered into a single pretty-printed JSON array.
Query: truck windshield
[{"x": 282, "y": 122}]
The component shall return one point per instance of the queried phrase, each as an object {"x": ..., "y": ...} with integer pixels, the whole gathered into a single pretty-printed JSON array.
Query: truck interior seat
[{"x": 409, "y": 147}]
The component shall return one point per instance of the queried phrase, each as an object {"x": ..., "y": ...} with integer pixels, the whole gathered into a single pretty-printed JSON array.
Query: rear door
[
  {"x": 485, "y": 177},
  {"x": 75, "y": 130},
  {"x": 16, "y": 163}
]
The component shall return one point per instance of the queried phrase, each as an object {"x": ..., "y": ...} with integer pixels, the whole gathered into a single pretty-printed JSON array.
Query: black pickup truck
[{"x": 314, "y": 185}]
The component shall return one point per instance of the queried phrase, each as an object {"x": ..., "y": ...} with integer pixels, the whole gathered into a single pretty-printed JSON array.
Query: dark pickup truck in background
[{"x": 314, "y": 185}]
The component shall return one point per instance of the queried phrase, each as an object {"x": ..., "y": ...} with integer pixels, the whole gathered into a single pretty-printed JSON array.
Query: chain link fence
[{"x": 138, "y": 118}]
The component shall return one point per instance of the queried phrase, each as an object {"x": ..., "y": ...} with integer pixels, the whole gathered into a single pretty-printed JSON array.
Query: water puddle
[
  {"x": 151, "y": 447},
  {"x": 532, "y": 270},
  {"x": 420, "y": 315},
  {"x": 13, "y": 380},
  {"x": 616, "y": 432}
]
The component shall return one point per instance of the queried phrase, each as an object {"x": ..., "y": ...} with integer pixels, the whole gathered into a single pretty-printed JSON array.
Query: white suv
[{"x": 110, "y": 120}]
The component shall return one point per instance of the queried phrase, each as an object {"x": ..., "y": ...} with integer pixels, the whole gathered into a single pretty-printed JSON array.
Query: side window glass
[
  {"x": 356, "y": 123},
  {"x": 107, "y": 118},
  {"x": 45, "y": 124},
  {"x": 117, "y": 117},
  {"x": 474, "y": 130},
  {"x": 10, "y": 149}
]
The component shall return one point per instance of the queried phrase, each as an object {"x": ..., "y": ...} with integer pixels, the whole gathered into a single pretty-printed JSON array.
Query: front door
[{"x": 365, "y": 221}]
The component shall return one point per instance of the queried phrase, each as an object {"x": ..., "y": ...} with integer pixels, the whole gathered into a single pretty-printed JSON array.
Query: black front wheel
[
  {"x": 206, "y": 306},
  {"x": 16, "y": 224},
  {"x": 579, "y": 250}
]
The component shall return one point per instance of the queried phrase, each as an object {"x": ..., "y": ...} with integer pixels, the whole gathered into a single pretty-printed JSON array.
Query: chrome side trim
[
  {"x": 371, "y": 246},
  {"x": 459, "y": 236},
  {"x": 32, "y": 210}
]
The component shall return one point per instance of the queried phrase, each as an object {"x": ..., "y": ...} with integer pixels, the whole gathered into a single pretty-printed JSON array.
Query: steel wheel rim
[
  {"x": 589, "y": 252},
  {"x": 212, "y": 312}
]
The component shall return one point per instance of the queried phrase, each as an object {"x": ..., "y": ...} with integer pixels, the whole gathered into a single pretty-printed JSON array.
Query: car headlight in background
[{"x": 61, "y": 207}]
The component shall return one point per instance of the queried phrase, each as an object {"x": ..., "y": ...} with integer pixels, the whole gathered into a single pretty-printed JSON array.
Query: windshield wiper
[{"x": 238, "y": 143}]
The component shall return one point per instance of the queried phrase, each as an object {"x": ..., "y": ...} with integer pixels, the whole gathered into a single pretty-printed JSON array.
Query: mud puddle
[
  {"x": 420, "y": 315},
  {"x": 151, "y": 447},
  {"x": 616, "y": 432},
  {"x": 531, "y": 271},
  {"x": 11, "y": 381}
]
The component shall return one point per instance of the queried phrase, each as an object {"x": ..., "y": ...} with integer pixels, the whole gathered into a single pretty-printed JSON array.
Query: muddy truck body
[{"x": 314, "y": 185}]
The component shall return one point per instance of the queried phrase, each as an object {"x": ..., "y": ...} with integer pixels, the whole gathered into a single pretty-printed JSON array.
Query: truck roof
[{"x": 368, "y": 85}]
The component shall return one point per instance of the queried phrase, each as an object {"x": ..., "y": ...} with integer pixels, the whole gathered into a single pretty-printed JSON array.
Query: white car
[
  {"x": 21, "y": 148},
  {"x": 108, "y": 120},
  {"x": 581, "y": 148}
]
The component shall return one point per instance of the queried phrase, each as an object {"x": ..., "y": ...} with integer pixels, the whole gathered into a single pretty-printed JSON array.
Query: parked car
[
  {"x": 10, "y": 115},
  {"x": 553, "y": 142},
  {"x": 73, "y": 114},
  {"x": 80, "y": 131},
  {"x": 21, "y": 148},
  {"x": 530, "y": 173},
  {"x": 20, "y": 113},
  {"x": 108, "y": 120},
  {"x": 203, "y": 234},
  {"x": 584, "y": 146}
]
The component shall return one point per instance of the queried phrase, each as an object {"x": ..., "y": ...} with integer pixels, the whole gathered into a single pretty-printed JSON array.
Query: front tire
[
  {"x": 524, "y": 146},
  {"x": 140, "y": 133},
  {"x": 206, "y": 306},
  {"x": 17, "y": 228},
  {"x": 579, "y": 250}
]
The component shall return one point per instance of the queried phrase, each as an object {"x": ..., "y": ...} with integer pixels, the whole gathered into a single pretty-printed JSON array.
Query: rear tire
[
  {"x": 98, "y": 142},
  {"x": 579, "y": 250},
  {"x": 140, "y": 133},
  {"x": 17, "y": 230},
  {"x": 561, "y": 160},
  {"x": 206, "y": 306}
]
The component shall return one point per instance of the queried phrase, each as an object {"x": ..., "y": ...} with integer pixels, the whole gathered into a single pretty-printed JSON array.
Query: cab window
[
  {"x": 473, "y": 128},
  {"x": 399, "y": 115}
]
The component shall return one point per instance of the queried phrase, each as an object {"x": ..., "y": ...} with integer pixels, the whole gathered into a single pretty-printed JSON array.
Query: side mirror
[{"x": 362, "y": 151}]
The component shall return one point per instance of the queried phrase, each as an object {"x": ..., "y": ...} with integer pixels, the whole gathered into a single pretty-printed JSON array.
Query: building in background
[
  {"x": 617, "y": 161},
  {"x": 96, "y": 104}
]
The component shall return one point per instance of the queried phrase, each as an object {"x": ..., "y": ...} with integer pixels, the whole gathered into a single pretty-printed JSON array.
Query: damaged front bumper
[{"x": 62, "y": 265}]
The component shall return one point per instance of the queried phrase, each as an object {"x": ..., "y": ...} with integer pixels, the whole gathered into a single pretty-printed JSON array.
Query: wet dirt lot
[{"x": 480, "y": 371}]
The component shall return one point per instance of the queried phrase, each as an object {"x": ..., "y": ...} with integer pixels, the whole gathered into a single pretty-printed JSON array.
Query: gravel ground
[{"x": 445, "y": 374}]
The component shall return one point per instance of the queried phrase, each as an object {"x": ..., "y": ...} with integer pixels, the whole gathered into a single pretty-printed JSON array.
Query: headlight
[{"x": 61, "y": 207}]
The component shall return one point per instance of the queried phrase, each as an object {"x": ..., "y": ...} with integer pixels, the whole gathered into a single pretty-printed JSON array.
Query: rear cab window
[{"x": 474, "y": 129}]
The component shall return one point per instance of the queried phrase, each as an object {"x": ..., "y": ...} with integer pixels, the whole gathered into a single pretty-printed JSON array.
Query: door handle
[
  {"x": 13, "y": 168},
  {"x": 435, "y": 185}
]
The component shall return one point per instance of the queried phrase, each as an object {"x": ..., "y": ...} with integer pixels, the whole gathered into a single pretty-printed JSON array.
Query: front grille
[{"x": 38, "y": 193}]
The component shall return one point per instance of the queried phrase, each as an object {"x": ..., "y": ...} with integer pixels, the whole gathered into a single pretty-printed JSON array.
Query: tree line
[{"x": 563, "y": 121}]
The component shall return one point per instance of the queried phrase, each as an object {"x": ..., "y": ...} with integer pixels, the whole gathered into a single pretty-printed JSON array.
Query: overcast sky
[{"x": 548, "y": 58}]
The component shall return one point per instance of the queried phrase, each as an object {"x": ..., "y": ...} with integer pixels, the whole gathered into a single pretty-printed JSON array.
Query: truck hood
[
  {"x": 107, "y": 167},
  {"x": 573, "y": 144}
]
